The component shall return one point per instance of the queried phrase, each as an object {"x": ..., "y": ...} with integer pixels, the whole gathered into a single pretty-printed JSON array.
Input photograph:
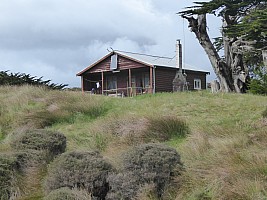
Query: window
[
  {"x": 197, "y": 84},
  {"x": 112, "y": 82},
  {"x": 114, "y": 62}
]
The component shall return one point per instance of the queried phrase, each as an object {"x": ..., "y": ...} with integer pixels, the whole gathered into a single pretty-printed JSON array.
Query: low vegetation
[
  {"x": 8, "y": 167},
  {"x": 53, "y": 143},
  {"x": 209, "y": 146},
  {"x": 258, "y": 85},
  {"x": 163, "y": 128},
  {"x": 82, "y": 170},
  {"x": 67, "y": 194},
  {"x": 264, "y": 113},
  {"x": 150, "y": 165}
]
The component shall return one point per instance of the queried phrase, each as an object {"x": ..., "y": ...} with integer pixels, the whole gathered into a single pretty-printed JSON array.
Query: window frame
[{"x": 197, "y": 84}]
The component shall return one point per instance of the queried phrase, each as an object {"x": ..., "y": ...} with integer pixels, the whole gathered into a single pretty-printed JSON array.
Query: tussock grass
[
  {"x": 36, "y": 107},
  {"x": 15, "y": 102},
  {"x": 224, "y": 153},
  {"x": 66, "y": 108},
  {"x": 68, "y": 194},
  {"x": 163, "y": 128}
]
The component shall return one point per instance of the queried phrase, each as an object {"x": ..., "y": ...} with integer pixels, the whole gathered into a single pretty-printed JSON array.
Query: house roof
[
  {"x": 149, "y": 60},
  {"x": 158, "y": 60}
]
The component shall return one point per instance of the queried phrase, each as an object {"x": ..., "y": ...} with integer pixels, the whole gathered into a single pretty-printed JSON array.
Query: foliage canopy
[
  {"x": 243, "y": 38},
  {"x": 7, "y": 78}
]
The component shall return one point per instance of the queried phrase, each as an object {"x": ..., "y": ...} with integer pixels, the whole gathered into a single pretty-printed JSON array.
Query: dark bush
[
  {"x": 123, "y": 185},
  {"x": 127, "y": 185},
  {"x": 82, "y": 170},
  {"x": 152, "y": 164},
  {"x": 8, "y": 167},
  {"x": 165, "y": 127},
  {"x": 42, "y": 140},
  {"x": 29, "y": 158},
  {"x": 67, "y": 194}
]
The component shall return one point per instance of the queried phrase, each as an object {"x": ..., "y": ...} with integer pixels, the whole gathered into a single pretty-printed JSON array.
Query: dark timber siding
[
  {"x": 102, "y": 66},
  {"x": 123, "y": 64},
  {"x": 163, "y": 75},
  {"x": 164, "y": 78},
  {"x": 191, "y": 75}
]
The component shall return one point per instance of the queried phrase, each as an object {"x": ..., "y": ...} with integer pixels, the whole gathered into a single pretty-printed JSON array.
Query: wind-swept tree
[
  {"x": 22, "y": 79},
  {"x": 236, "y": 40}
]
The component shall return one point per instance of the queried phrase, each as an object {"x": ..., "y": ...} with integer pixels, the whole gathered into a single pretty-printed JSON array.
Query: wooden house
[{"x": 128, "y": 74}]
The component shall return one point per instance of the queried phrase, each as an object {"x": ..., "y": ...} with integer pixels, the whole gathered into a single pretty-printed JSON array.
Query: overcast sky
[{"x": 58, "y": 38}]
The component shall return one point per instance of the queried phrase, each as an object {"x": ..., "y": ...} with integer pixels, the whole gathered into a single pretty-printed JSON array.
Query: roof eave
[
  {"x": 171, "y": 67},
  {"x": 94, "y": 64},
  {"x": 195, "y": 70},
  {"x": 135, "y": 60}
]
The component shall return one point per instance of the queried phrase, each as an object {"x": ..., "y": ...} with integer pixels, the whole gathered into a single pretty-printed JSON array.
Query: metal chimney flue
[{"x": 179, "y": 60}]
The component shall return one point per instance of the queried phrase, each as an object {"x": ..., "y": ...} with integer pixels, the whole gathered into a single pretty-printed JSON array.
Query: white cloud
[{"x": 56, "y": 39}]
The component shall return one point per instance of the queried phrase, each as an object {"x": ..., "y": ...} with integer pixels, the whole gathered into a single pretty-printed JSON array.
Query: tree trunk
[{"x": 228, "y": 70}]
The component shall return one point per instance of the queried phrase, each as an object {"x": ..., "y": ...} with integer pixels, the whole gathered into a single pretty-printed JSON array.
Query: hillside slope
[{"x": 223, "y": 146}]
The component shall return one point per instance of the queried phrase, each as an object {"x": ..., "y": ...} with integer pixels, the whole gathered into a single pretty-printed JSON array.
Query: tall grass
[
  {"x": 224, "y": 153},
  {"x": 37, "y": 107},
  {"x": 163, "y": 128},
  {"x": 15, "y": 104},
  {"x": 264, "y": 113}
]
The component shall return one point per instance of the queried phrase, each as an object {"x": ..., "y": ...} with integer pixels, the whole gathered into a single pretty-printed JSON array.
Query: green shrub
[
  {"x": 82, "y": 170},
  {"x": 53, "y": 143},
  {"x": 67, "y": 194},
  {"x": 165, "y": 127},
  {"x": 8, "y": 167},
  {"x": 152, "y": 164},
  {"x": 258, "y": 85}
]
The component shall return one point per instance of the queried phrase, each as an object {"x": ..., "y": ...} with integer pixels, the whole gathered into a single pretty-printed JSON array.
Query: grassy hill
[{"x": 222, "y": 142}]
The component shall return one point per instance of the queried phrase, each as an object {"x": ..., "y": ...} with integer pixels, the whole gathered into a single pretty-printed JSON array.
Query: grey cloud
[
  {"x": 54, "y": 27},
  {"x": 56, "y": 39}
]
